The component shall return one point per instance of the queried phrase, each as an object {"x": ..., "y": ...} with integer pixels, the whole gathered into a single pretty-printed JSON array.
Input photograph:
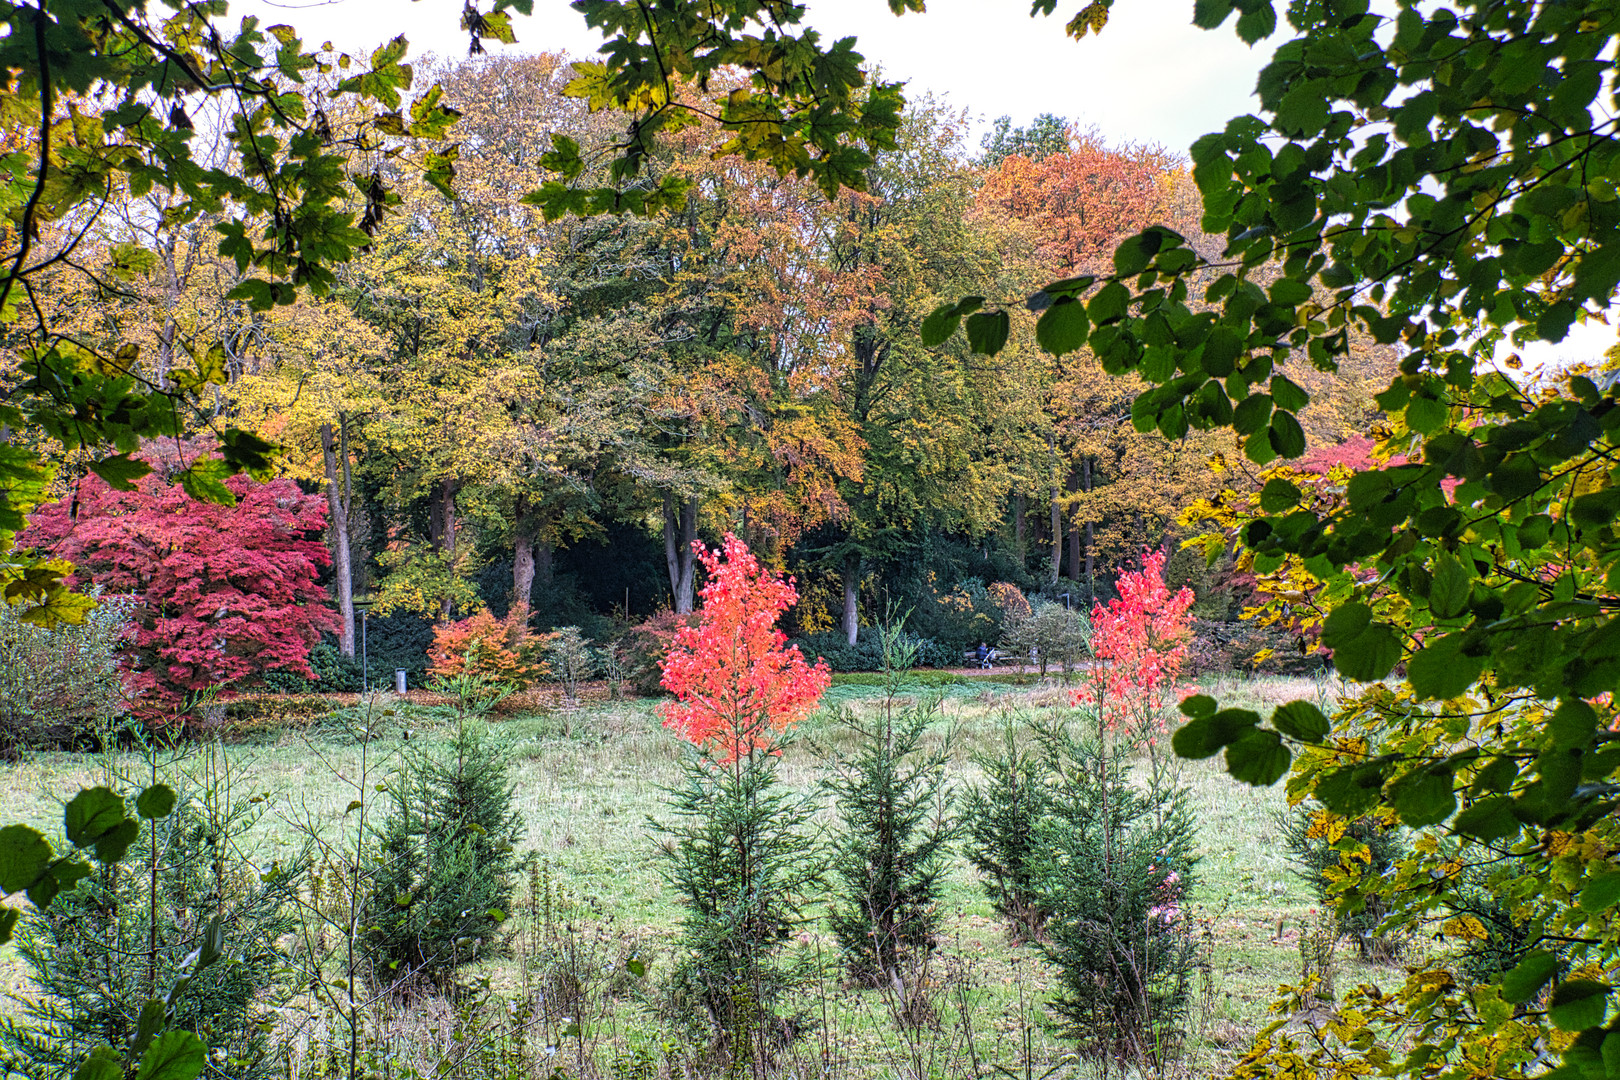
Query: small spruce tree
[
  {"x": 893, "y": 801},
  {"x": 448, "y": 863},
  {"x": 999, "y": 818}
]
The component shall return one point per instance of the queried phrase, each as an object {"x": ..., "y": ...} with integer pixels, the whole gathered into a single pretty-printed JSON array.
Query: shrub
[
  {"x": 1311, "y": 837},
  {"x": 958, "y": 618},
  {"x": 1011, "y": 600},
  {"x": 642, "y": 650},
  {"x": 1051, "y": 635},
  {"x": 892, "y": 802},
  {"x": 61, "y": 686},
  {"x": 447, "y": 863},
  {"x": 128, "y": 932},
  {"x": 502, "y": 651},
  {"x": 569, "y": 659},
  {"x": 738, "y": 858}
]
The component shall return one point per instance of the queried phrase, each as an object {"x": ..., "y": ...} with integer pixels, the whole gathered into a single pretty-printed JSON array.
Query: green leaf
[
  {"x": 1258, "y": 758},
  {"x": 1063, "y": 328},
  {"x": 1198, "y": 706},
  {"x": 1572, "y": 723},
  {"x": 174, "y": 1055},
  {"x": 91, "y": 814},
  {"x": 1109, "y": 303},
  {"x": 1259, "y": 21},
  {"x": 156, "y": 801},
  {"x": 1451, "y": 587},
  {"x": 1440, "y": 671},
  {"x": 1578, "y": 1004},
  {"x": 1528, "y": 976},
  {"x": 1601, "y": 892},
  {"x": 1208, "y": 735},
  {"x": 1302, "y": 721},
  {"x": 1488, "y": 819},
  {"x": 102, "y": 1064},
  {"x": 987, "y": 331},
  {"x": 120, "y": 471},
  {"x": 1287, "y": 437},
  {"x": 24, "y": 856},
  {"x": 111, "y": 846},
  {"x": 1279, "y": 495},
  {"x": 1363, "y": 650},
  {"x": 1425, "y": 796}
]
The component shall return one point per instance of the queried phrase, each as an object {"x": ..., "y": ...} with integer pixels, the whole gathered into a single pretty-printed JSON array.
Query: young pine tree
[
  {"x": 1115, "y": 865},
  {"x": 448, "y": 864},
  {"x": 892, "y": 800},
  {"x": 130, "y": 930},
  {"x": 999, "y": 819}
]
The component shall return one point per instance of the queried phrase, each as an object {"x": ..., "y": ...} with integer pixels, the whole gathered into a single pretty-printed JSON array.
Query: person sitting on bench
[{"x": 984, "y": 655}]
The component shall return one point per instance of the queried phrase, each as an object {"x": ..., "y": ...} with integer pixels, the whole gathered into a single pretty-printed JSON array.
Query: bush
[
  {"x": 63, "y": 686},
  {"x": 128, "y": 931},
  {"x": 502, "y": 651},
  {"x": 447, "y": 862},
  {"x": 1052, "y": 635},
  {"x": 643, "y": 648},
  {"x": 1310, "y": 836},
  {"x": 569, "y": 659}
]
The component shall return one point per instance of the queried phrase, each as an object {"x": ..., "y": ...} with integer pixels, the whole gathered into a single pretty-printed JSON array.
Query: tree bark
[
  {"x": 1056, "y": 536},
  {"x": 1020, "y": 530},
  {"x": 852, "y": 595},
  {"x": 680, "y": 529},
  {"x": 337, "y": 505},
  {"x": 442, "y": 528},
  {"x": 1090, "y": 542}
]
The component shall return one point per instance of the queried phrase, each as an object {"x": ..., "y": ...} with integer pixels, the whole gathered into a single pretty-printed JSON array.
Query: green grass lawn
[{"x": 588, "y": 798}]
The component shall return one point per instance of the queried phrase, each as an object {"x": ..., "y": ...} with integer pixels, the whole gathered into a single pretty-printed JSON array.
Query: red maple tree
[
  {"x": 738, "y": 684},
  {"x": 222, "y": 594},
  {"x": 1139, "y": 641}
]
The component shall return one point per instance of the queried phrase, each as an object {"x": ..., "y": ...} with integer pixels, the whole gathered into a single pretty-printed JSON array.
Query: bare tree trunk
[
  {"x": 442, "y": 528},
  {"x": 680, "y": 529},
  {"x": 1056, "y": 536},
  {"x": 523, "y": 546},
  {"x": 1020, "y": 530},
  {"x": 852, "y": 595},
  {"x": 1090, "y": 541},
  {"x": 337, "y": 504}
]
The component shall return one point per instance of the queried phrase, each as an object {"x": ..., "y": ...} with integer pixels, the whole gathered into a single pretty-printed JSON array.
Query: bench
[{"x": 997, "y": 659}]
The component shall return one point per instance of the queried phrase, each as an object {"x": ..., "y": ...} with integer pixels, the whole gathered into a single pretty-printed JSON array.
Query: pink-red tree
[
  {"x": 222, "y": 594},
  {"x": 738, "y": 685},
  {"x": 1139, "y": 642}
]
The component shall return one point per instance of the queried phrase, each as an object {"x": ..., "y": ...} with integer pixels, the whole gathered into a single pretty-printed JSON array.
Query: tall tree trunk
[
  {"x": 1090, "y": 541},
  {"x": 1076, "y": 557},
  {"x": 1020, "y": 528},
  {"x": 442, "y": 528},
  {"x": 852, "y": 595},
  {"x": 680, "y": 529},
  {"x": 524, "y": 543},
  {"x": 337, "y": 505},
  {"x": 1056, "y": 536}
]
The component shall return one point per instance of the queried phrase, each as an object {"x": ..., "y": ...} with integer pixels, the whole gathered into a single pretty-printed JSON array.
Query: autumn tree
[
  {"x": 737, "y": 859},
  {"x": 222, "y": 593}
]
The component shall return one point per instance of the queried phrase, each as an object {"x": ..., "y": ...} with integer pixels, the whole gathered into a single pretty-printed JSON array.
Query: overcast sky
[{"x": 1151, "y": 77}]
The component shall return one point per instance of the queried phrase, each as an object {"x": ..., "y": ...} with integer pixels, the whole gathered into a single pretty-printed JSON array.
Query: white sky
[{"x": 1151, "y": 77}]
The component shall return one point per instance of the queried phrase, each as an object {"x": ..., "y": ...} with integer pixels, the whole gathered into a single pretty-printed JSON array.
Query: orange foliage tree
[
  {"x": 501, "y": 650},
  {"x": 738, "y": 685}
]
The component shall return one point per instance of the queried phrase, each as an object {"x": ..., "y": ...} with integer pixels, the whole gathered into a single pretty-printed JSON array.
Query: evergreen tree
[
  {"x": 131, "y": 930},
  {"x": 448, "y": 863},
  {"x": 1115, "y": 866},
  {"x": 893, "y": 801},
  {"x": 999, "y": 817}
]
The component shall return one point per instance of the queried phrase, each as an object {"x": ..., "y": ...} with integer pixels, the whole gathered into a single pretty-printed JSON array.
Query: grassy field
[{"x": 588, "y": 790}]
